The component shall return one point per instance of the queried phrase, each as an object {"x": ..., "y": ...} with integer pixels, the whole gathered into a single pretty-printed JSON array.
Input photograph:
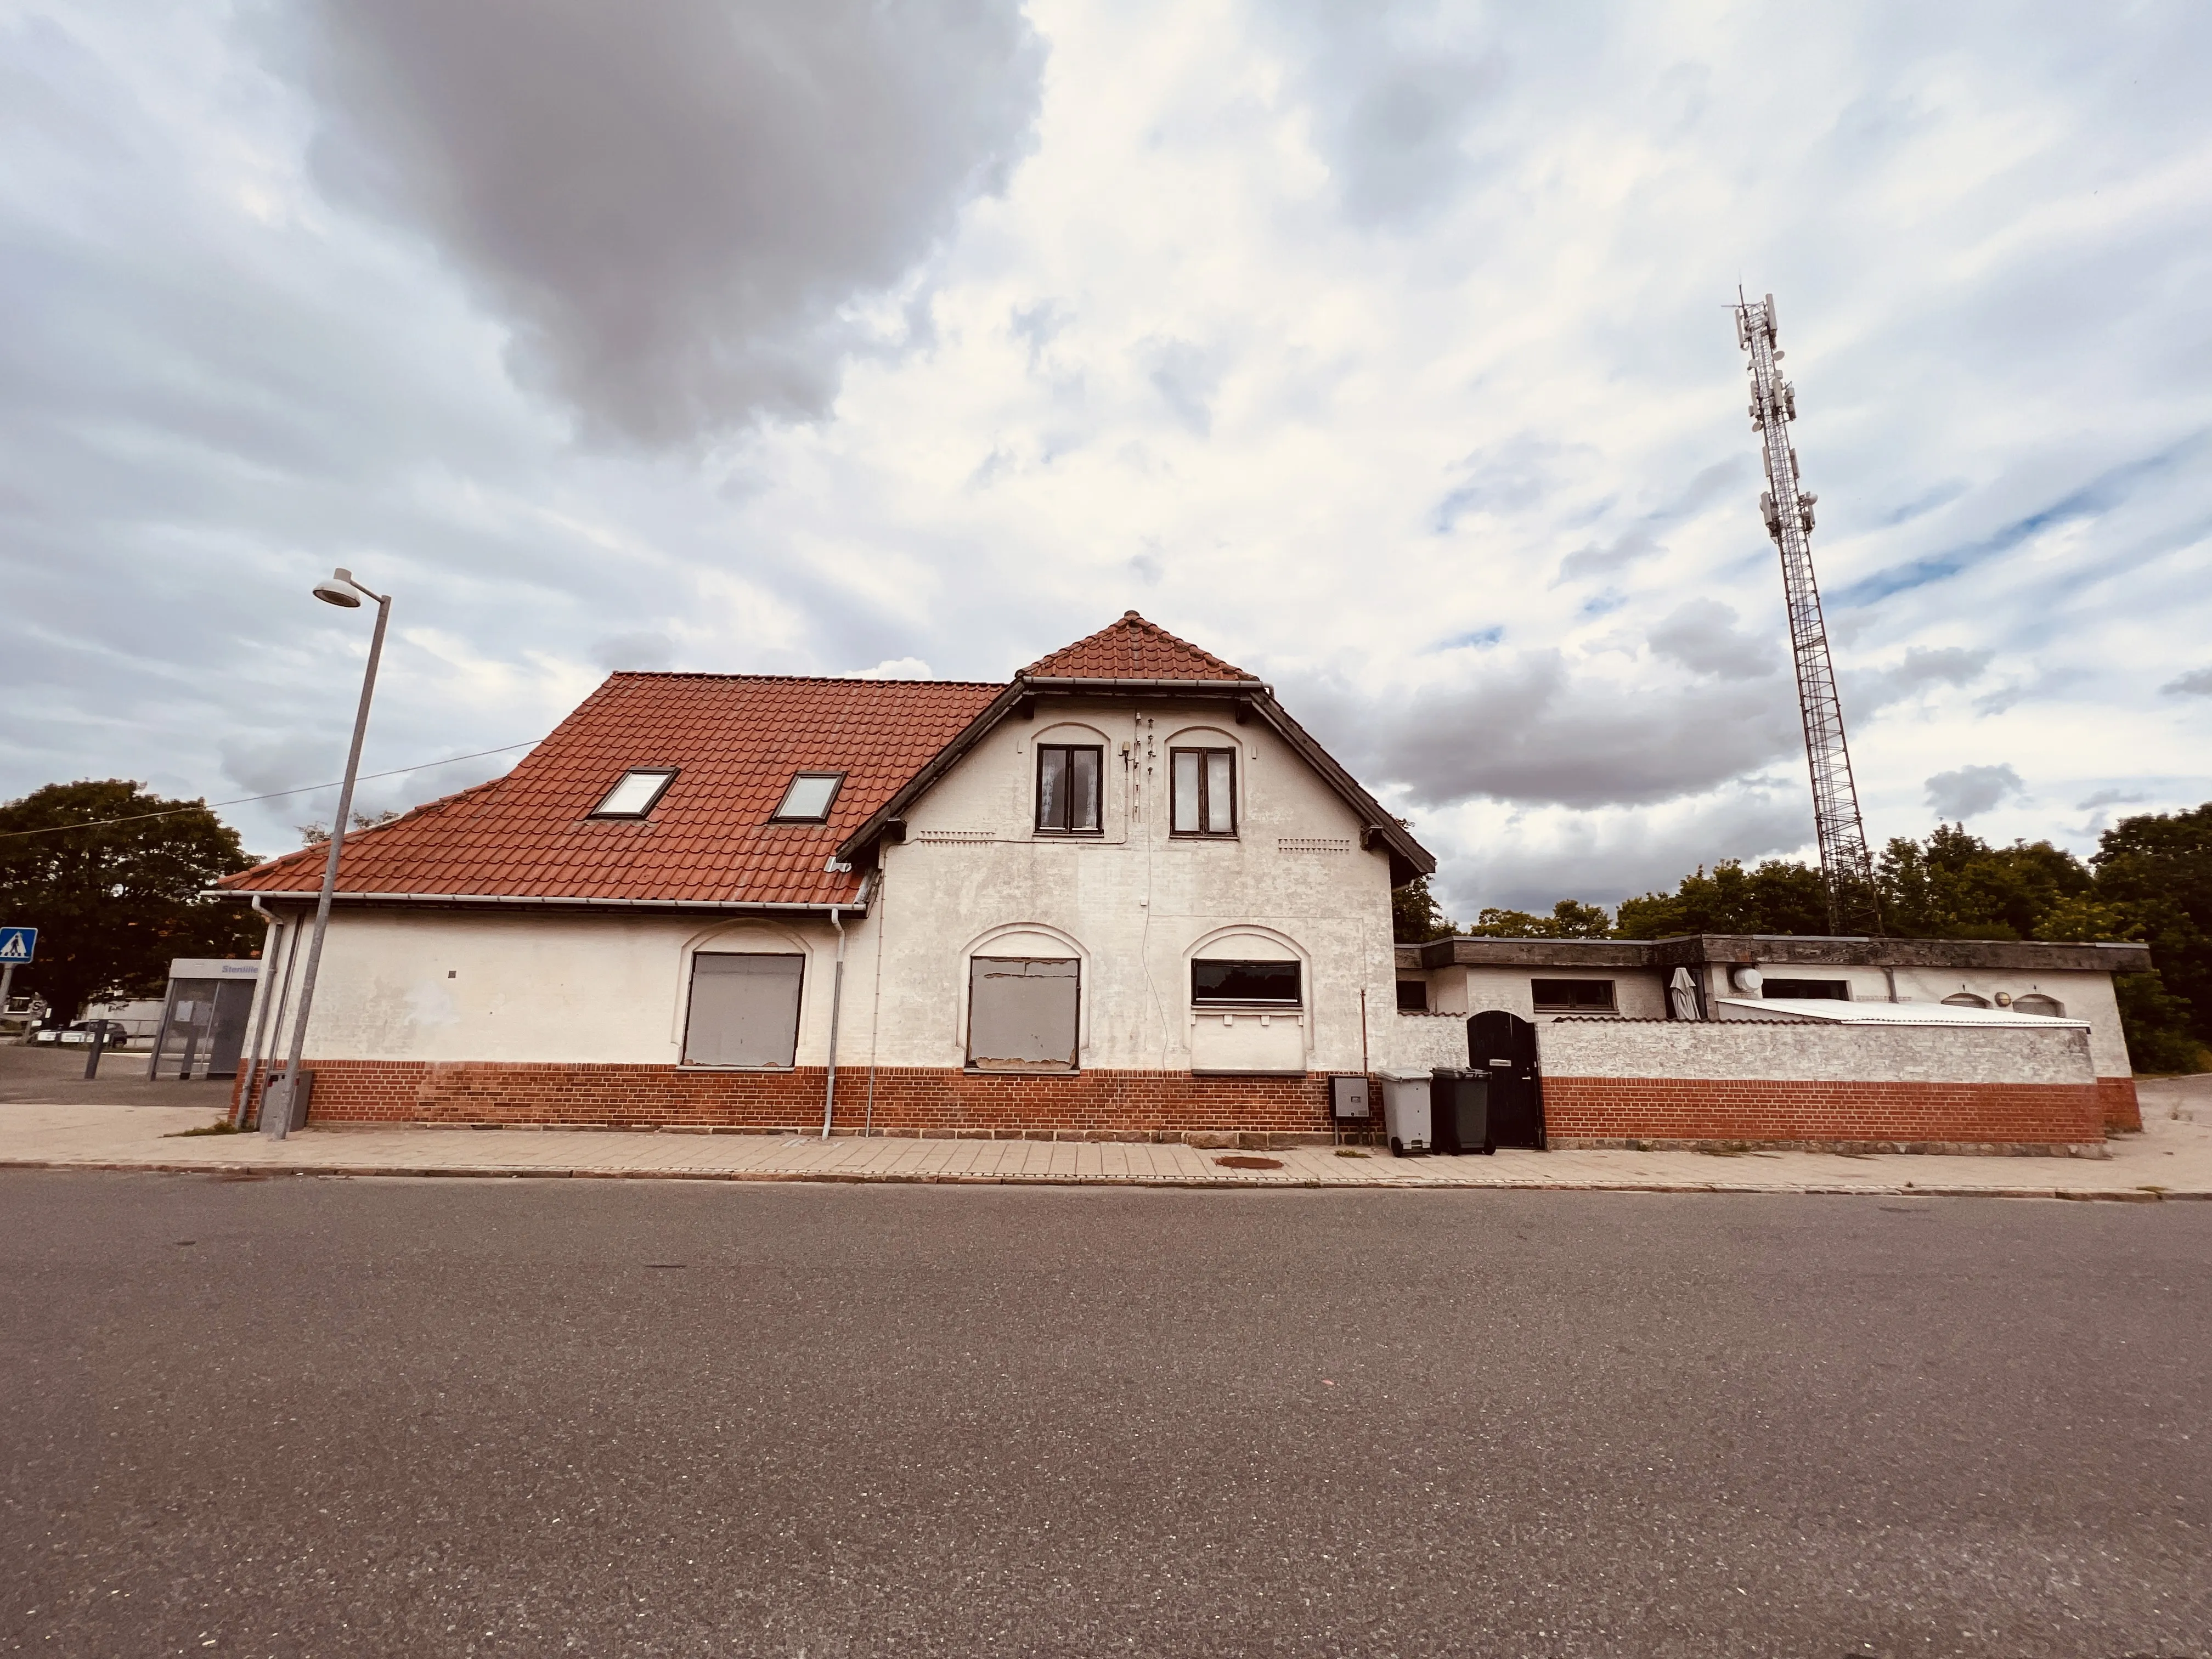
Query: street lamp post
[{"x": 344, "y": 591}]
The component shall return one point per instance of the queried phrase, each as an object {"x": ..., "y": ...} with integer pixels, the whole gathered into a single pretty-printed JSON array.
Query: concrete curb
[{"x": 963, "y": 1178}]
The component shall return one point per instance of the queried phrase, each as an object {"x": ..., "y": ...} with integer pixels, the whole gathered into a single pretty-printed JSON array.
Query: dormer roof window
[
  {"x": 809, "y": 798},
  {"x": 637, "y": 793}
]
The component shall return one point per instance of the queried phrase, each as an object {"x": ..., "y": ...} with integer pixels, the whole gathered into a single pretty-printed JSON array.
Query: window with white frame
[
  {"x": 1204, "y": 786},
  {"x": 745, "y": 1010},
  {"x": 1221, "y": 983},
  {"x": 637, "y": 792}
]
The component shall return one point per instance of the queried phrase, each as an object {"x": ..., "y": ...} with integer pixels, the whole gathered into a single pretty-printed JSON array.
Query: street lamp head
[{"x": 339, "y": 590}]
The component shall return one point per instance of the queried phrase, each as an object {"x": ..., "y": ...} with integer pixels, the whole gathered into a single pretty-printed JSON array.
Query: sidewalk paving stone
[{"x": 2171, "y": 1159}]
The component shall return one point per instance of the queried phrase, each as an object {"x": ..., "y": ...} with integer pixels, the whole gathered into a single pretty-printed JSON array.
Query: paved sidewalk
[{"x": 2173, "y": 1158}]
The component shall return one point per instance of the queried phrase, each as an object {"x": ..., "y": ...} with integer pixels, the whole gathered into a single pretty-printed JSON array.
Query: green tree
[
  {"x": 1956, "y": 885},
  {"x": 1569, "y": 919},
  {"x": 2156, "y": 869},
  {"x": 114, "y": 901},
  {"x": 1415, "y": 916},
  {"x": 1777, "y": 896}
]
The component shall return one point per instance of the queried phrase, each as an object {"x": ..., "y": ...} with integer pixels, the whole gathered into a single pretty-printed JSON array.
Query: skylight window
[
  {"x": 638, "y": 794},
  {"x": 807, "y": 800}
]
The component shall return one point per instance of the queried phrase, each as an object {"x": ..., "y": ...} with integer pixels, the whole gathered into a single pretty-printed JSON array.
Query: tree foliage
[
  {"x": 1774, "y": 897},
  {"x": 113, "y": 903},
  {"x": 1569, "y": 919},
  {"x": 1415, "y": 916}
]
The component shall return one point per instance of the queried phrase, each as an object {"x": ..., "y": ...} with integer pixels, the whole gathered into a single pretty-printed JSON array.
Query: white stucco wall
[
  {"x": 1137, "y": 904},
  {"x": 1841, "y": 1054},
  {"x": 1641, "y": 993},
  {"x": 1134, "y": 905}
]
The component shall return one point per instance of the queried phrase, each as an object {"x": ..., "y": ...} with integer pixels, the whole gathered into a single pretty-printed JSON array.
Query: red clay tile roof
[
  {"x": 1133, "y": 649},
  {"x": 735, "y": 739}
]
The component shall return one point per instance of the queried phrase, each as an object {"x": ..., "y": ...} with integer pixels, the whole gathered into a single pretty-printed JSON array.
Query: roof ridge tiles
[{"x": 804, "y": 679}]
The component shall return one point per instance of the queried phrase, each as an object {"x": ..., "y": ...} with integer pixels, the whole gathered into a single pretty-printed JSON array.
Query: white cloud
[{"x": 1379, "y": 347}]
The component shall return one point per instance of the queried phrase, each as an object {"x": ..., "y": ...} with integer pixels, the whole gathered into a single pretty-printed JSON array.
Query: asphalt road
[{"x": 295, "y": 1417}]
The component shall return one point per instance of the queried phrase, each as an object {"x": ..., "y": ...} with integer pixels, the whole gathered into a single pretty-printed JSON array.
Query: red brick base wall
[
  {"x": 1914, "y": 1116},
  {"x": 1094, "y": 1105},
  {"x": 2116, "y": 1095}
]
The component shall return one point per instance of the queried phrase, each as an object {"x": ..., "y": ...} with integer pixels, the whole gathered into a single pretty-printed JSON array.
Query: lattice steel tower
[{"x": 1845, "y": 869}]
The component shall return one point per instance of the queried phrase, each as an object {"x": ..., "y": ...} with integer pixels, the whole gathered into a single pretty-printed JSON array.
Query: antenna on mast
[{"x": 1845, "y": 869}]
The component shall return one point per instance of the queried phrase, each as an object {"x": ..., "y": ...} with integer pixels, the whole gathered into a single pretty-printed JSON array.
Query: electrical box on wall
[{"x": 1348, "y": 1097}]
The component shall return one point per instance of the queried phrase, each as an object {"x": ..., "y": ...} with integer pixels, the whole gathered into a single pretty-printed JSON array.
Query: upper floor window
[
  {"x": 1068, "y": 787},
  {"x": 637, "y": 793},
  {"x": 808, "y": 798},
  {"x": 1205, "y": 791}
]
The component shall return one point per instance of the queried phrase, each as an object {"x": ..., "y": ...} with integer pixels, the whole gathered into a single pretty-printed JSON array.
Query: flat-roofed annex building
[
  {"x": 1739, "y": 976},
  {"x": 1124, "y": 894}
]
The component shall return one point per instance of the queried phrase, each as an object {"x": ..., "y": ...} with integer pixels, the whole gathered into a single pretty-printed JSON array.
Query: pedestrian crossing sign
[{"x": 18, "y": 944}]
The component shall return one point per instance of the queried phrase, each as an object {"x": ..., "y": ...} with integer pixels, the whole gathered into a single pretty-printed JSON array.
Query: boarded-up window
[
  {"x": 1022, "y": 1013},
  {"x": 2036, "y": 1003},
  {"x": 745, "y": 1010}
]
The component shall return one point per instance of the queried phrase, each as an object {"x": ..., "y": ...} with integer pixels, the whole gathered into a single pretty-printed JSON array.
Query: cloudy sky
[{"x": 1382, "y": 347}]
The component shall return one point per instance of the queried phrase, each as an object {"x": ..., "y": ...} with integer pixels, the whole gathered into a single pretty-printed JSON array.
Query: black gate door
[{"x": 1505, "y": 1045}]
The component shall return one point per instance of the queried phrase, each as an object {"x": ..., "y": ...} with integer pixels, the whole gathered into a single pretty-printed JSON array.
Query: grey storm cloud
[
  {"x": 676, "y": 207},
  {"x": 1702, "y": 635},
  {"x": 1972, "y": 790},
  {"x": 1602, "y": 858},
  {"x": 1393, "y": 106},
  {"x": 1532, "y": 731},
  {"x": 1922, "y": 668},
  {"x": 1187, "y": 377},
  {"x": 2197, "y": 683},
  {"x": 643, "y": 648}
]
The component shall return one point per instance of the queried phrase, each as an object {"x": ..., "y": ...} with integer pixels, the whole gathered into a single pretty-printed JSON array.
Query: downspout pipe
[{"x": 836, "y": 1001}]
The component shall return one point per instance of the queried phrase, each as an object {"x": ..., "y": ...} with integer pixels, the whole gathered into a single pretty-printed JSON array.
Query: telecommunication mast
[{"x": 1845, "y": 868}]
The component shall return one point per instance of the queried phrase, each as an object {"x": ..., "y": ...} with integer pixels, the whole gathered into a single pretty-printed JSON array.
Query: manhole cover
[{"x": 1243, "y": 1163}]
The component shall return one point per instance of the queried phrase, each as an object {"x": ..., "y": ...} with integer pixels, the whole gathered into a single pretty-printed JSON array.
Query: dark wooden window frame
[
  {"x": 1174, "y": 787},
  {"x": 1036, "y": 802},
  {"x": 829, "y": 806},
  {"x": 1610, "y": 1005}
]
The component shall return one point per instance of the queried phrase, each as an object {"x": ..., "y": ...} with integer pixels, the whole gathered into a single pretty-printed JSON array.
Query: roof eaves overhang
[
  {"x": 1408, "y": 857},
  {"x": 858, "y": 904}
]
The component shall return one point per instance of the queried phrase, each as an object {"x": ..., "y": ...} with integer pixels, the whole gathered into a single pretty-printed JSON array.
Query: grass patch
[{"x": 222, "y": 1126}]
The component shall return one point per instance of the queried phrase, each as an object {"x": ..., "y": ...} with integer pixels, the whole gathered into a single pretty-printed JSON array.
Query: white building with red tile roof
[{"x": 1125, "y": 894}]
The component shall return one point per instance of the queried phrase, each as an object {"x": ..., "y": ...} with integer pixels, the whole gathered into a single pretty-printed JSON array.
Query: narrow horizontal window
[
  {"x": 1068, "y": 789},
  {"x": 637, "y": 793},
  {"x": 1833, "y": 990},
  {"x": 1204, "y": 787},
  {"x": 1573, "y": 996},
  {"x": 809, "y": 798},
  {"x": 1269, "y": 984}
]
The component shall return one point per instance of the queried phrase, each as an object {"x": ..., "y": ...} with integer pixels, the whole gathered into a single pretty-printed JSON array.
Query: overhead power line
[{"x": 274, "y": 794}]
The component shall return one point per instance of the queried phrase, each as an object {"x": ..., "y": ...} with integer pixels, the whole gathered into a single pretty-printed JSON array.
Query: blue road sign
[{"x": 18, "y": 944}]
